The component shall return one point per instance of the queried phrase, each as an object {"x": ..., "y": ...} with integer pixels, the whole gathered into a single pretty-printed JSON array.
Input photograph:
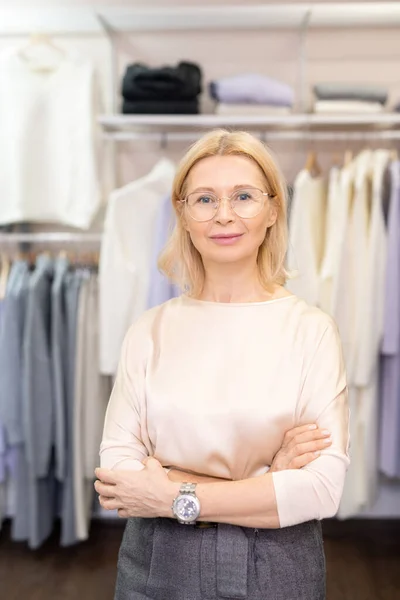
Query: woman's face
[{"x": 227, "y": 238}]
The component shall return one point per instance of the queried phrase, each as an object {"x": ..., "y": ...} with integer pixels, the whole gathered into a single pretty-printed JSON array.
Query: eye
[
  {"x": 242, "y": 196},
  {"x": 205, "y": 199}
]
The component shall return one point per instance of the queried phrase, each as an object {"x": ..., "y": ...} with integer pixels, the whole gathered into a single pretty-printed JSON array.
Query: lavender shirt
[
  {"x": 390, "y": 381},
  {"x": 160, "y": 289}
]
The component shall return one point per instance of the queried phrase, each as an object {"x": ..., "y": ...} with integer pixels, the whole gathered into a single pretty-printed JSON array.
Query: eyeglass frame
[{"x": 219, "y": 198}]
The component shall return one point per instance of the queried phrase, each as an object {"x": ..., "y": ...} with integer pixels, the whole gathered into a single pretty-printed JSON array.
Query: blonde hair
[{"x": 180, "y": 261}]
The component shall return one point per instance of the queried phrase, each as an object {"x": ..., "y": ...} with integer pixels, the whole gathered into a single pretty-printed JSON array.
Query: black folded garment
[
  {"x": 183, "y": 82},
  {"x": 188, "y": 107}
]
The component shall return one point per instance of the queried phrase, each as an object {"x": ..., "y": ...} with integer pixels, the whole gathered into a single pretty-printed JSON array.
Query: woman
[{"x": 208, "y": 384}]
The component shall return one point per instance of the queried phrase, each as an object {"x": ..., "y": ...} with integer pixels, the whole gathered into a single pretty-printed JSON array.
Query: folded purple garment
[{"x": 251, "y": 88}]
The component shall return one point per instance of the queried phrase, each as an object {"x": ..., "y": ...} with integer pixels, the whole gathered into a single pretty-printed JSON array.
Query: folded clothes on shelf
[
  {"x": 251, "y": 110},
  {"x": 340, "y": 91},
  {"x": 347, "y": 106},
  {"x": 252, "y": 88},
  {"x": 178, "y": 83},
  {"x": 163, "y": 107}
]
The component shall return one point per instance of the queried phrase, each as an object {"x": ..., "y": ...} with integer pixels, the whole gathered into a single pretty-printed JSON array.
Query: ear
[
  {"x": 273, "y": 215},
  {"x": 184, "y": 221}
]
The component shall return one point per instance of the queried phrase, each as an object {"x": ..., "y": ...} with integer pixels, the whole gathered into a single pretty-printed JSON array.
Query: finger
[
  {"x": 109, "y": 503},
  {"x": 294, "y": 431},
  {"x": 308, "y": 436},
  {"x": 123, "y": 514},
  {"x": 107, "y": 476},
  {"x": 303, "y": 460},
  {"x": 104, "y": 489},
  {"x": 314, "y": 446}
]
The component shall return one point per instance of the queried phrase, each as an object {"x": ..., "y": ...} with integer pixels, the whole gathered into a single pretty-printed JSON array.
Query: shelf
[
  {"x": 268, "y": 16},
  {"x": 63, "y": 20},
  {"x": 204, "y": 121},
  {"x": 76, "y": 20}
]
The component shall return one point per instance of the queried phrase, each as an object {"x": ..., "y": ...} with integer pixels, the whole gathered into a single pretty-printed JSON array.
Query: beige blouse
[{"x": 211, "y": 388}]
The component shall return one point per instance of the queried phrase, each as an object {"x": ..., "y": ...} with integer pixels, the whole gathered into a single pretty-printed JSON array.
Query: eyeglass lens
[{"x": 246, "y": 203}]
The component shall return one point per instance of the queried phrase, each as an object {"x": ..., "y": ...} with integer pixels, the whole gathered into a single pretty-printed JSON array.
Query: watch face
[{"x": 187, "y": 508}]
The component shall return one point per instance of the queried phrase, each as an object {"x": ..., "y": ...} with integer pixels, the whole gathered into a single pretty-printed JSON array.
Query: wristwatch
[{"x": 186, "y": 506}]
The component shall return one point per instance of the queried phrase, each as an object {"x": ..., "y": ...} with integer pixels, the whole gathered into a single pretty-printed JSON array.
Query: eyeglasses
[{"x": 246, "y": 203}]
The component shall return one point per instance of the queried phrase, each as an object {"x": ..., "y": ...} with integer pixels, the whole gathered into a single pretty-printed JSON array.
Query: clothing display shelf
[
  {"x": 76, "y": 20},
  {"x": 112, "y": 20}
]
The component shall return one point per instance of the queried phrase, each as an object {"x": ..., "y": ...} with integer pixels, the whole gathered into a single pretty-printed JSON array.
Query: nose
[{"x": 224, "y": 213}]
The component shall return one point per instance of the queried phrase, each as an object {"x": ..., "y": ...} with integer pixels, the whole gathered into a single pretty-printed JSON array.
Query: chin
[{"x": 229, "y": 255}]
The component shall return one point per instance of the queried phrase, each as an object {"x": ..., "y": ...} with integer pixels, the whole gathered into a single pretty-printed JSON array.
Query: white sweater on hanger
[
  {"x": 126, "y": 253},
  {"x": 47, "y": 146}
]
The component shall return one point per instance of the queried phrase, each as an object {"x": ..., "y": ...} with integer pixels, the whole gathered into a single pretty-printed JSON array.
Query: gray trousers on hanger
[
  {"x": 160, "y": 559},
  {"x": 59, "y": 362},
  {"x": 11, "y": 377},
  {"x": 72, "y": 289},
  {"x": 38, "y": 407}
]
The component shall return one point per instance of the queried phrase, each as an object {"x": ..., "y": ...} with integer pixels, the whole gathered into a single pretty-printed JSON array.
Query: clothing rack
[
  {"x": 166, "y": 136},
  {"x": 53, "y": 237}
]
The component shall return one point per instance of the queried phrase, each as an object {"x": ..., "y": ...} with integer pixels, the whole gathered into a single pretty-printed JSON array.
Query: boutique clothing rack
[{"x": 49, "y": 237}]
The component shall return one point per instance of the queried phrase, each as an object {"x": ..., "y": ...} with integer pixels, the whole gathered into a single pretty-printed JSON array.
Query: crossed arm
[
  {"x": 276, "y": 499},
  {"x": 252, "y": 502}
]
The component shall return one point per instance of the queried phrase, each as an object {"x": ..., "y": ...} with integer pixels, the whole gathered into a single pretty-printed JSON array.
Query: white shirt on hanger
[
  {"x": 361, "y": 288},
  {"x": 126, "y": 252},
  {"x": 47, "y": 148},
  {"x": 336, "y": 216},
  {"x": 306, "y": 236}
]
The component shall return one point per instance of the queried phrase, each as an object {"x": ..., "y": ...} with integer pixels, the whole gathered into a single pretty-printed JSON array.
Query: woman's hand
[
  {"x": 300, "y": 446},
  {"x": 146, "y": 493}
]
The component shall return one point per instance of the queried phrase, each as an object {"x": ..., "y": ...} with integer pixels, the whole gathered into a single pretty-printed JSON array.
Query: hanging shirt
[
  {"x": 192, "y": 396},
  {"x": 125, "y": 257},
  {"x": 306, "y": 236},
  {"x": 336, "y": 216},
  {"x": 47, "y": 153},
  {"x": 160, "y": 288},
  {"x": 90, "y": 402},
  {"x": 362, "y": 289},
  {"x": 389, "y": 456},
  {"x": 366, "y": 375}
]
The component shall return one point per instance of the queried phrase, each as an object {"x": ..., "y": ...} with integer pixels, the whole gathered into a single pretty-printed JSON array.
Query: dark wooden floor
[{"x": 363, "y": 559}]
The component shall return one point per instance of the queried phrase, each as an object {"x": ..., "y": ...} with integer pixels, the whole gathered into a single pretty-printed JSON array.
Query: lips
[
  {"x": 226, "y": 236},
  {"x": 226, "y": 239}
]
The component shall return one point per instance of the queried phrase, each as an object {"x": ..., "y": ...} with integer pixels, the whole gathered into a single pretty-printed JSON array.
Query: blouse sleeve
[
  {"x": 314, "y": 492},
  {"x": 125, "y": 441}
]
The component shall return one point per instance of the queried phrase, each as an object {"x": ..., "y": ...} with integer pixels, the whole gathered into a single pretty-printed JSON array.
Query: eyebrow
[{"x": 236, "y": 187}]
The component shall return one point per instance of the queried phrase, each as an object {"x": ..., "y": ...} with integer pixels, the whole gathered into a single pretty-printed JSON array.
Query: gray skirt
[{"x": 160, "y": 559}]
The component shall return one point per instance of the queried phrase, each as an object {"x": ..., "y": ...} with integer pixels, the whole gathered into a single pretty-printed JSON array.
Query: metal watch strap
[{"x": 188, "y": 488}]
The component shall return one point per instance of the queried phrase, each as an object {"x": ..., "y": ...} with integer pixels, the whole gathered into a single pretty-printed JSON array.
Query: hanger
[
  {"x": 348, "y": 157},
  {"x": 312, "y": 165},
  {"x": 40, "y": 40}
]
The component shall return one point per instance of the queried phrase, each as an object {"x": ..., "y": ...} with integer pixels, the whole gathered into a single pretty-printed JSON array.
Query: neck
[{"x": 233, "y": 283}]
